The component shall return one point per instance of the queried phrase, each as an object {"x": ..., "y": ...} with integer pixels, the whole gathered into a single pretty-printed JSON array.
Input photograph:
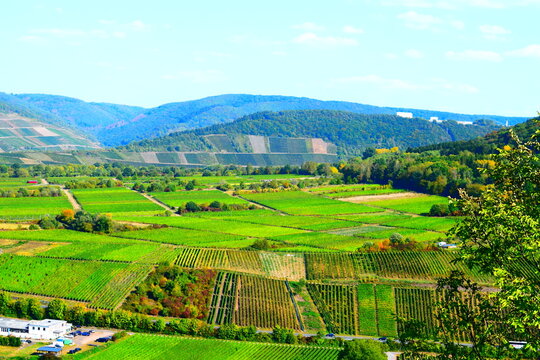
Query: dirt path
[
  {"x": 44, "y": 182},
  {"x": 72, "y": 200},
  {"x": 368, "y": 198},
  {"x": 159, "y": 203}
]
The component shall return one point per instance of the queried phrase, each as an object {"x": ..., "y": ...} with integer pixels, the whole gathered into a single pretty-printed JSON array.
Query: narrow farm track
[
  {"x": 157, "y": 202},
  {"x": 74, "y": 203}
]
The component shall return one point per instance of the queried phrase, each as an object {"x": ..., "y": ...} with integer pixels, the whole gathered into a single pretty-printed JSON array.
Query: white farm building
[
  {"x": 46, "y": 329},
  {"x": 406, "y": 115}
]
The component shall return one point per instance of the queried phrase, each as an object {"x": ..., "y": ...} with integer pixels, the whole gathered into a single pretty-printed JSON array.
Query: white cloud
[
  {"x": 457, "y": 24},
  {"x": 308, "y": 26},
  {"x": 455, "y": 4},
  {"x": 493, "y": 32},
  {"x": 31, "y": 38},
  {"x": 528, "y": 51},
  {"x": 313, "y": 39},
  {"x": 418, "y": 21},
  {"x": 397, "y": 84},
  {"x": 414, "y": 54},
  {"x": 197, "y": 76},
  {"x": 348, "y": 29},
  {"x": 138, "y": 25},
  {"x": 476, "y": 55}
]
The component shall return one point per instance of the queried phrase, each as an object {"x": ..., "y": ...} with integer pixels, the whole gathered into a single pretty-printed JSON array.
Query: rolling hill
[
  {"x": 350, "y": 132},
  {"x": 487, "y": 144},
  {"x": 114, "y": 125}
]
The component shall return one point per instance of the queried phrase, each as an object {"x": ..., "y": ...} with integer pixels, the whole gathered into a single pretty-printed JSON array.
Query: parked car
[
  {"x": 85, "y": 333},
  {"x": 330, "y": 335},
  {"x": 104, "y": 339},
  {"x": 74, "y": 351},
  {"x": 383, "y": 339}
]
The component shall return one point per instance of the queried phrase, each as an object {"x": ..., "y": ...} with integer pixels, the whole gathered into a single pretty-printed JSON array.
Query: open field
[
  {"x": 303, "y": 203},
  {"x": 180, "y": 198},
  {"x": 32, "y": 207},
  {"x": 111, "y": 200},
  {"x": 157, "y": 347},
  {"x": 418, "y": 204}
]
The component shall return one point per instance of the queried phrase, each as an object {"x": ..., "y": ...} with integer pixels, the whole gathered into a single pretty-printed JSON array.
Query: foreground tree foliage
[
  {"x": 500, "y": 233},
  {"x": 363, "y": 350}
]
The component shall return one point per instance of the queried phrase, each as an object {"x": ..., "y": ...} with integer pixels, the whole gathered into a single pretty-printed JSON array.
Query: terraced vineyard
[
  {"x": 250, "y": 300},
  {"x": 157, "y": 347}
]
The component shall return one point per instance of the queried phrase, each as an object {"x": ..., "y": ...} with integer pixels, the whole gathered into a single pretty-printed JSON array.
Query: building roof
[
  {"x": 50, "y": 349},
  {"x": 46, "y": 322},
  {"x": 13, "y": 323}
]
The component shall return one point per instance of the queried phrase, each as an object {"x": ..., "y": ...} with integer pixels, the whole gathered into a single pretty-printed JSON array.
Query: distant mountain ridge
[{"x": 114, "y": 125}]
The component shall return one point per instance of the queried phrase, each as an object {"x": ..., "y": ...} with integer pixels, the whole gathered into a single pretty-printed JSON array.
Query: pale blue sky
[{"x": 471, "y": 56}]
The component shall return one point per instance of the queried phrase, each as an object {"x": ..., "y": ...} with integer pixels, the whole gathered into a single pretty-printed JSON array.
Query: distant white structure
[
  {"x": 465, "y": 122},
  {"x": 46, "y": 329},
  {"x": 407, "y": 115},
  {"x": 435, "y": 119}
]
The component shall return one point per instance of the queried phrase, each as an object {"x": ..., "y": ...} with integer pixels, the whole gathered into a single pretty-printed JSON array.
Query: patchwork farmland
[{"x": 314, "y": 259}]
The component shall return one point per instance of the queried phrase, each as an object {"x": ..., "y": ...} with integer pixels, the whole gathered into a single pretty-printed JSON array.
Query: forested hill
[
  {"x": 113, "y": 124},
  {"x": 487, "y": 144},
  {"x": 351, "y": 132}
]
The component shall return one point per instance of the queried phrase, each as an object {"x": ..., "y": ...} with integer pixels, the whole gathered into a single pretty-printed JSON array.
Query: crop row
[
  {"x": 396, "y": 265},
  {"x": 157, "y": 347},
  {"x": 250, "y": 300}
]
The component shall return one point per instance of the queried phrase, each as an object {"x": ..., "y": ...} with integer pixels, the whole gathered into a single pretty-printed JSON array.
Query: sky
[{"x": 468, "y": 56}]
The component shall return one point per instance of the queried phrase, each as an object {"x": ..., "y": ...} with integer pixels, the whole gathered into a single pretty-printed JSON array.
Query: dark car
[
  {"x": 85, "y": 333},
  {"x": 330, "y": 335},
  {"x": 383, "y": 339},
  {"x": 74, "y": 351},
  {"x": 104, "y": 339}
]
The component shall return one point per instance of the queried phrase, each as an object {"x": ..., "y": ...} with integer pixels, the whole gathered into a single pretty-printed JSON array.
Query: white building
[
  {"x": 46, "y": 329},
  {"x": 407, "y": 115},
  {"x": 465, "y": 122},
  {"x": 435, "y": 119}
]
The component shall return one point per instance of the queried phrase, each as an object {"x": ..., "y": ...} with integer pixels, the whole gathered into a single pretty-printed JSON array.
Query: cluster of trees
[
  {"x": 78, "y": 221},
  {"x": 42, "y": 191},
  {"x": 192, "y": 206},
  {"x": 92, "y": 183},
  {"x": 10, "y": 341},
  {"x": 498, "y": 236},
  {"x": 173, "y": 291},
  {"x": 396, "y": 241}
]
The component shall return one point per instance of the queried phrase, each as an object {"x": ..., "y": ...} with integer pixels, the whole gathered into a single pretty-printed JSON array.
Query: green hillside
[
  {"x": 487, "y": 144},
  {"x": 350, "y": 132},
  {"x": 19, "y": 133}
]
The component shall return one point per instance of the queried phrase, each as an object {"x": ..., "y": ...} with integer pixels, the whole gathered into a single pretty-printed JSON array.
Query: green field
[
  {"x": 32, "y": 207},
  {"x": 111, "y": 200},
  {"x": 158, "y": 347},
  {"x": 414, "y": 205},
  {"x": 205, "y": 197},
  {"x": 102, "y": 283},
  {"x": 303, "y": 203}
]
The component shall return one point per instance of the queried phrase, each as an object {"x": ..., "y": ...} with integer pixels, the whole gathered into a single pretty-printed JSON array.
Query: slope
[
  {"x": 487, "y": 144},
  {"x": 19, "y": 133},
  {"x": 226, "y": 108},
  {"x": 350, "y": 132}
]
